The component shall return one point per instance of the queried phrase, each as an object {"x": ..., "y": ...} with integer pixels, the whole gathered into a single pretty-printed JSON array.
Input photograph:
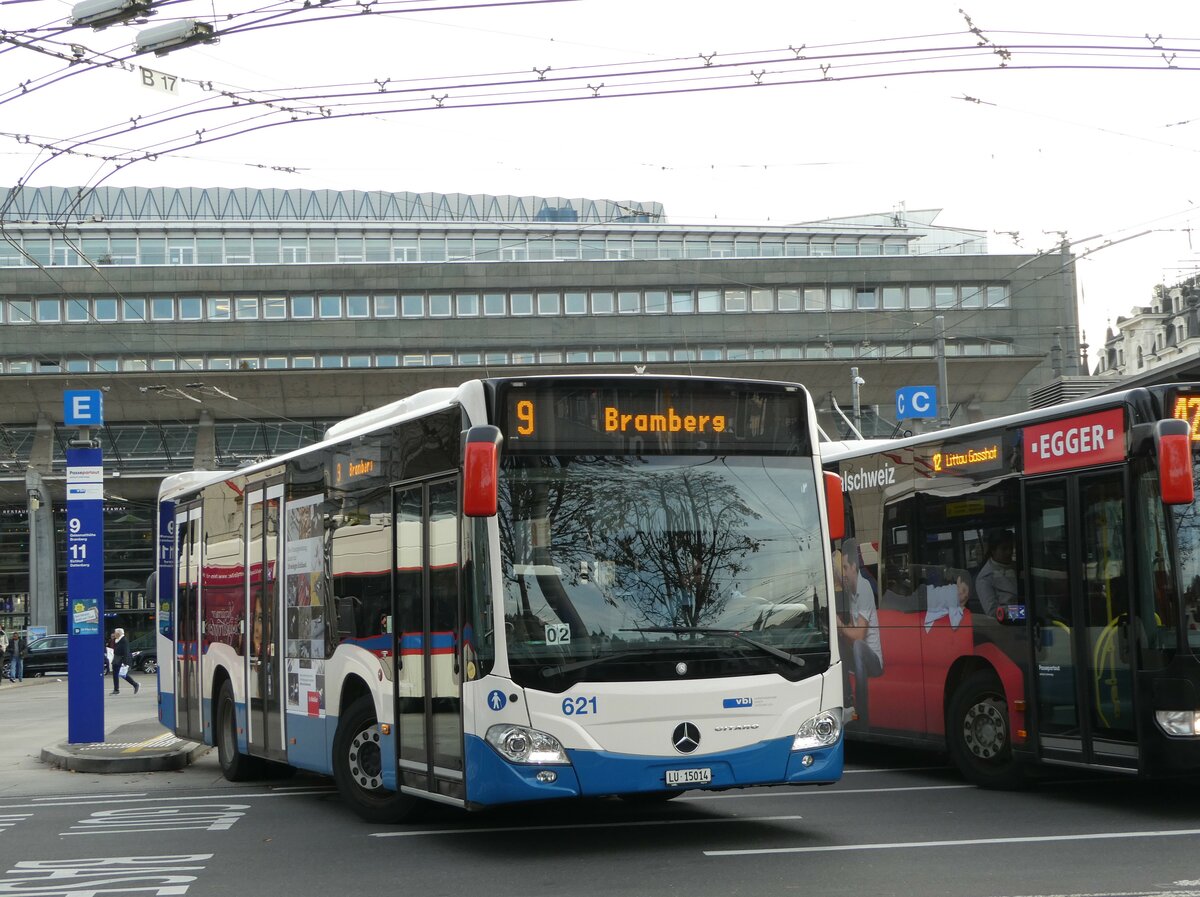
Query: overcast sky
[{"x": 862, "y": 107}]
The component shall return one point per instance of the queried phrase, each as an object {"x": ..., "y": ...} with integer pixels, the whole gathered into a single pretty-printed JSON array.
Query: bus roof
[{"x": 834, "y": 451}]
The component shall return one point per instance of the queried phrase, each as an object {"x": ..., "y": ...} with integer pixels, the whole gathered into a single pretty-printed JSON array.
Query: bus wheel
[
  {"x": 358, "y": 767},
  {"x": 236, "y": 767},
  {"x": 978, "y": 735}
]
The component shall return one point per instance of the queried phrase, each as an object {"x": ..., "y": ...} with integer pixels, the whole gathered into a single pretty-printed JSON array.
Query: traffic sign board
[{"x": 916, "y": 402}]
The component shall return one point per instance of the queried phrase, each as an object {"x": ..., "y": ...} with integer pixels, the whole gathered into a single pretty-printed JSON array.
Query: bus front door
[
  {"x": 187, "y": 624},
  {"x": 264, "y": 669},
  {"x": 425, "y": 622},
  {"x": 1078, "y": 576}
]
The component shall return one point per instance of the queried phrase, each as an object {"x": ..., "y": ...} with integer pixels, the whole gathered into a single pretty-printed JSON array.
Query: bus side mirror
[
  {"x": 1173, "y": 444},
  {"x": 835, "y": 505},
  {"x": 481, "y": 471}
]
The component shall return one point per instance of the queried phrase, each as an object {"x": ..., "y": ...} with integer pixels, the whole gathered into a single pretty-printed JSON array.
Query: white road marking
[
  {"x": 78, "y": 796},
  {"x": 582, "y": 825},
  {"x": 8, "y": 821},
  {"x": 964, "y": 842},
  {"x": 86, "y": 802},
  {"x": 850, "y": 772}
]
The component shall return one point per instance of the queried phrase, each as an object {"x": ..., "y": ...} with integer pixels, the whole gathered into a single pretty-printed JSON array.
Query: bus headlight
[
  {"x": 519, "y": 744},
  {"x": 821, "y": 731},
  {"x": 1178, "y": 722}
]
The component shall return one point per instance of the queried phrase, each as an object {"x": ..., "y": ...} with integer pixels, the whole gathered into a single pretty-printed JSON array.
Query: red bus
[{"x": 1027, "y": 590}]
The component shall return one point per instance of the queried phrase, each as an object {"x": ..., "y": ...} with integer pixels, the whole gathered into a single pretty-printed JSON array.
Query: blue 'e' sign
[{"x": 83, "y": 407}]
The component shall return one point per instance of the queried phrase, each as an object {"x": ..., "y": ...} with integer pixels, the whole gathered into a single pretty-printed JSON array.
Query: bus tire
[
  {"x": 978, "y": 735},
  {"x": 358, "y": 767},
  {"x": 235, "y": 766}
]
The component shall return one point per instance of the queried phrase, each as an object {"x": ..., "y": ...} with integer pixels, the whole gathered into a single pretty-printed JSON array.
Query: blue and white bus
[{"x": 515, "y": 590}]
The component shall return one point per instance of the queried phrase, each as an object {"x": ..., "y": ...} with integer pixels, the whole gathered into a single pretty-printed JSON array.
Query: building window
[
  {"x": 629, "y": 302},
  {"x": 658, "y": 355},
  {"x": 708, "y": 301},
  {"x": 788, "y": 298},
  {"x": 470, "y": 359},
  {"x": 467, "y": 305},
  {"x": 521, "y": 304},
  {"x": 385, "y": 306},
  {"x": 304, "y": 362},
  {"x": 526, "y": 357},
  {"x": 219, "y": 308},
  {"x": 439, "y": 305},
  {"x": 972, "y": 296},
  {"x": 330, "y": 306},
  {"x": 495, "y": 305},
  {"x": 682, "y": 302},
  {"x": 920, "y": 297},
  {"x": 247, "y": 308},
  {"x": 245, "y": 363},
  {"x": 547, "y": 303},
  {"x": 997, "y": 297},
  {"x": 735, "y": 300},
  {"x": 275, "y": 363},
  {"x": 77, "y": 311},
  {"x": 762, "y": 300},
  {"x": 604, "y": 356},
  {"x": 191, "y": 308},
  {"x": 387, "y": 360},
  {"x": 331, "y": 361},
  {"x": 104, "y": 309},
  {"x": 893, "y": 297},
  {"x": 814, "y": 299},
  {"x": 630, "y": 355},
  {"x": 495, "y": 358},
  {"x": 575, "y": 303},
  {"x": 944, "y": 297},
  {"x": 839, "y": 298},
  {"x": 412, "y": 305},
  {"x": 866, "y": 299},
  {"x": 358, "y": 306},
  {"x": 162, "y": 308},
  {"x": 274, "y": 308},
  {"x": 133, "y": 309},
  {"x": 656, "y": 302},
  {"x": 220, "y": 364},
  {"x": 49, "y": 311},
  {"x": 358, "y": 361},
  {"x": 602, "y": 303},
  {"x": 302, "y": 307},
  {"x": 577, "y": 358}
]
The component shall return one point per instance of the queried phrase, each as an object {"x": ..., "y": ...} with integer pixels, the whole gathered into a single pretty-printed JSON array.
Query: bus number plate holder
[{"x": 689, "y": 776}]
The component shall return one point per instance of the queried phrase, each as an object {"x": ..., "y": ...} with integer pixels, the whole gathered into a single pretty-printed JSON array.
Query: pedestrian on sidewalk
[
  {"x": 3, "y": 650},
  {"x": 15, "y": 652},
  {"x": 122, "y": 658}
]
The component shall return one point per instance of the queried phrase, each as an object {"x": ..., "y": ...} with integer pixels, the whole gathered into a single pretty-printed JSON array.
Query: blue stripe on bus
[{"x": 492, "y": 780}]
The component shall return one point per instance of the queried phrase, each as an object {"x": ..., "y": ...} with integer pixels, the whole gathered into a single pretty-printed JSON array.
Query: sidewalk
[{"x": 131, "y": 744}]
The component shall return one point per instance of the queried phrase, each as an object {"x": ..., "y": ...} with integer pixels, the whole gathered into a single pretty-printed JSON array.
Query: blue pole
[{"x": 85, "y": 595}]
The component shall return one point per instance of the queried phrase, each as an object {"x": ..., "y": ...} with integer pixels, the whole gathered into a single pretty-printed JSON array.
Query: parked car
[
  {"x": 144, "y": 650},
  {"x": 46, "y": 655}
]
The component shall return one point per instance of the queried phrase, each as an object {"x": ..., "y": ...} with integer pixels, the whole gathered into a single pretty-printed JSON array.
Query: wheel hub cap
[
  {"x": 985, "y": 729},
  {"x": 366, "y": 761}
]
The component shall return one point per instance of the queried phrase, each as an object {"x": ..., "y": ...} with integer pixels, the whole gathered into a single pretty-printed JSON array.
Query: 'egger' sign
[{"x": 1082, "y": 441}]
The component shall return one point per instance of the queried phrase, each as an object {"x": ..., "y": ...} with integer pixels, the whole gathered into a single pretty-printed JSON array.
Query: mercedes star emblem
[{"x": 686, "y": 738}]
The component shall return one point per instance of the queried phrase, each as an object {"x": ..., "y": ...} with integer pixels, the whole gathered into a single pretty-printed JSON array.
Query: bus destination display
[
  {"x": 652, "y": 417},
  {"x": 1184, "y": 405}
]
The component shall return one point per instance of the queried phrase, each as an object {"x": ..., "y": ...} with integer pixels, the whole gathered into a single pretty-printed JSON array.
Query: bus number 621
[{"x": 578, "y": 706}]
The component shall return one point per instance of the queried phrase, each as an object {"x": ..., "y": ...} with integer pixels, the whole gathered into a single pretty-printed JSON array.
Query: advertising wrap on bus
[{"x": 1028, "y": 589}]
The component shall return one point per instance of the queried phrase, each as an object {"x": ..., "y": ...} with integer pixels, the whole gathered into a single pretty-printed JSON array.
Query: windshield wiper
[{"x": 732, "y": 633}]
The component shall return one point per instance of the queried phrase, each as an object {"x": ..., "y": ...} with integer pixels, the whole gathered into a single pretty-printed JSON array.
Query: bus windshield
[{"x": 623, "y": 568}]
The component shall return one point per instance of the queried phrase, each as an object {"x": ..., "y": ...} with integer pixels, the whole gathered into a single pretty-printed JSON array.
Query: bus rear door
[
  {"x": 187, "y": 623},
  {"x": 1078, "y": 577},
  {"x": 264, "y": 671}
]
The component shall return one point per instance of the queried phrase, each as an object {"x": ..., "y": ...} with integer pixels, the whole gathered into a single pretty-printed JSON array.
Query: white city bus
[{"x": 516, "y": 590}]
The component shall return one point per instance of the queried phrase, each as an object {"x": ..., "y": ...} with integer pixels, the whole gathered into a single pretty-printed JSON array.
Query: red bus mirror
[
  {"x": 835, "y": 505},
  {"x": 481, "y": 471},
  {"x": 1173, "y": 444}
]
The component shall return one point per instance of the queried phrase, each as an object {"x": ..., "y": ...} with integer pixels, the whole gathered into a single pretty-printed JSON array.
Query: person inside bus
[
  {"x": 859, "y": 629},
  {"x": 996, "y": 584}
]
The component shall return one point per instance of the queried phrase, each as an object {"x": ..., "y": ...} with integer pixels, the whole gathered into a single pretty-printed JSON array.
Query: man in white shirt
[
  {"x": 996, "y": 583},
  {"x": 860, "y": 629}
]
